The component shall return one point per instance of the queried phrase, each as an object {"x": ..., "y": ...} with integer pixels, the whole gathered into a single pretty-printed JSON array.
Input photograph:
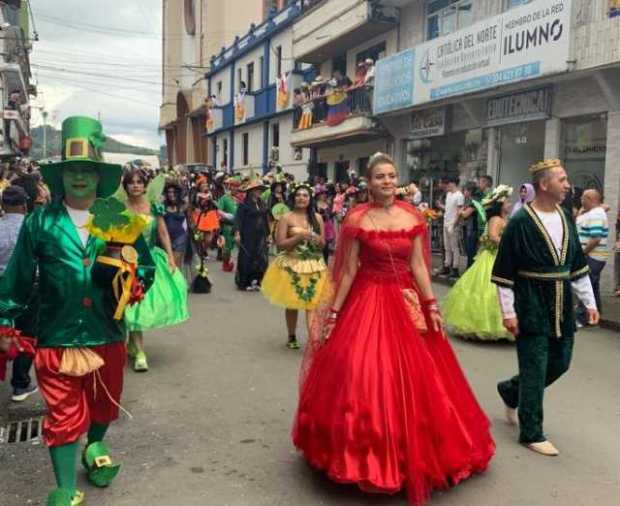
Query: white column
[
  {"x": 553, "y": 138},
  {"x": 492, "y": 154},
  {"x": 612, "y": 194}
]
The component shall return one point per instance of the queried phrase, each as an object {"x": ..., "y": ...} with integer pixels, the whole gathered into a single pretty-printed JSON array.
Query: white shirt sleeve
[
  {"x": 582, "y": 288},
  {"x": 507, "y": 302}
]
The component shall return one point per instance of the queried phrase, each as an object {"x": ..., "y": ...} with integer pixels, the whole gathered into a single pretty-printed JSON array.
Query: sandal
[
  {"x": 98, "y": 464},
  {"x": 292, "y": 344},
  {"x": 62, "y": 497}
]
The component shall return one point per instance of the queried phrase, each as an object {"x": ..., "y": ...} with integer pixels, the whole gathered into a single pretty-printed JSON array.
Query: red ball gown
[{"x": 382, "y": 404}]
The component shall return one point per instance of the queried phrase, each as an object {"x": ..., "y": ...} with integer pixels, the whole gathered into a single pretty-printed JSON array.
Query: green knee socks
[
  {"x": 96, "y": 433},
  {"x": 64, "y": 461}
]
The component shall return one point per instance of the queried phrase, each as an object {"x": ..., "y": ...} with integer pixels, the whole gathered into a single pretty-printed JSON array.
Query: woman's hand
[
  {"x": 238, "y": 238},
  {"x": 172, "y": 265},
  {"x": 436, "y": 321}
]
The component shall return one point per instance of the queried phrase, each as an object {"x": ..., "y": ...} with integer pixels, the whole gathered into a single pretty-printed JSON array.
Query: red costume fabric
[
  {"x": 19, "y": 345},
  {"x": 74, "y": 403},
  {"x": 383, "y": 405}
]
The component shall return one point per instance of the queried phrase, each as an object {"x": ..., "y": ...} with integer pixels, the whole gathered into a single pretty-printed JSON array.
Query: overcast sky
[{"x": 100, "y": 57}]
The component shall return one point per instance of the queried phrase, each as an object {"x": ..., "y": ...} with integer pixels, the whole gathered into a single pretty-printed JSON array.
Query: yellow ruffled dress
[{"x": 298, "y": 279}]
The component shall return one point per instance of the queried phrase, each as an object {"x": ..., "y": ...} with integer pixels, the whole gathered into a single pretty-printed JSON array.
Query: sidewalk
[{"x": 610, "y": 318}]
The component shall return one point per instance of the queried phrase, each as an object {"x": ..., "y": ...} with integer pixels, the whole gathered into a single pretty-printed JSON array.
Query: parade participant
[
  {"x": 252, "y": 237},
  {"x": 297, "y": 279},
  {"x": 324, "y": 208},
  {"x": 15, "y": 207},
  {"x": 472, "y": 218},
  {"x": 205, "y": 217},
  {"x": 76, "y": 325},
  {"x": 175, "y": 218},
  {"x": 471, "y": 309},
  {"x": 526, "y": 195},
  {"x": 227, "y": 206},
  {"x": 166, "y": 302},
  {"x": 384, "y": 403},
  {"x": 538, "y": 263}
]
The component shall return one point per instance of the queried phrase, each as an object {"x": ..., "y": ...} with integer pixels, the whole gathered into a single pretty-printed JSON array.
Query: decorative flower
[
  {"x": 500, "y": 194},
  {"x": 111, "y": 221}
]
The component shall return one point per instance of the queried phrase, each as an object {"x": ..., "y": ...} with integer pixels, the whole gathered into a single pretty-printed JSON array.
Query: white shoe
[
  {"x": 511, "y": 416},
  {"x": 545, "y": 448}
]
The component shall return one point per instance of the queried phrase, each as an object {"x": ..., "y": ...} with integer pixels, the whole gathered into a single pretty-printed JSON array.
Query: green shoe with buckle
[
  {"x": 62, "y": 497},
  {"x": 98, "y": 464}
]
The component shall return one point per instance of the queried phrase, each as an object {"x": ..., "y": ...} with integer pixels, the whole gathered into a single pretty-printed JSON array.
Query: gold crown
[{"x": 545, "y": 165}]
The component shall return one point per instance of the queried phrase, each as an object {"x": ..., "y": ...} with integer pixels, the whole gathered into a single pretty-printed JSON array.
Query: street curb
[{"x": 605, "y": 323}]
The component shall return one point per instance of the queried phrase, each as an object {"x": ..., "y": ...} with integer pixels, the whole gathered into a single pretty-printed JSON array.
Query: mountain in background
[{"x": 53, "y": 145}]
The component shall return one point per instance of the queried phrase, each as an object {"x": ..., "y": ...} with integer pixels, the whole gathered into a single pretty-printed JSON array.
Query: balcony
[
  {"x": 332, "y": 26},
  {"x": 317, "y": 122},
  {"x": 245, "y": 107}
]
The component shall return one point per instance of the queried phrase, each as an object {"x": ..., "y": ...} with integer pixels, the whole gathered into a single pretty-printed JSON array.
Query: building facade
[
  {"x": 193, "y": 31},
  {"x": 336, "y": 36},
  {"x": 15, "y": 80},
  {"x": 491, "y": 86},
  {"x": 250, "y": 113}
]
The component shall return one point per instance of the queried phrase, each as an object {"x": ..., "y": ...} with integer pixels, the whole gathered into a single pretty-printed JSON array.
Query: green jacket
[
  {"x": 528, "y": 262},
  {"x": 74, "y": 311}
]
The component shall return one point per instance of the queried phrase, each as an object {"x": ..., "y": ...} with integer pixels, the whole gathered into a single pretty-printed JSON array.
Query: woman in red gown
[{"x": 384, "y": 403}]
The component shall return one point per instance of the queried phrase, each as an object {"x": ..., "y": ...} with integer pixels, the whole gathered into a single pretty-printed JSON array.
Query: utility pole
[{"x": 44, "y": 115}]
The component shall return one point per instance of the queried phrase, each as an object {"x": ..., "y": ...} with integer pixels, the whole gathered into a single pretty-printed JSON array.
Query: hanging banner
[
  {"x": 428, "y": 123},
  {"x": 523, "y": 43}
]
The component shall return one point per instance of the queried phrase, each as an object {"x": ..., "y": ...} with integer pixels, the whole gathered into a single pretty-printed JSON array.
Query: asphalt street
[{"x": 211, "y": 423}]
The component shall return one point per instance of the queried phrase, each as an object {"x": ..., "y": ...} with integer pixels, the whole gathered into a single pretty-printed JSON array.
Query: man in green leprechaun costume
[
  {"x": 81, "y": 346},
  {"x": 539, "y": 265}
]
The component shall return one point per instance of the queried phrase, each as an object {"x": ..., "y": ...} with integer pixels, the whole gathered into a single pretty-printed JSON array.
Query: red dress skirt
[{"x": 384, "y": 406}]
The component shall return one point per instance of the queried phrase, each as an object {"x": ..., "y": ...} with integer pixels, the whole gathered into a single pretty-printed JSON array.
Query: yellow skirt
[{"x": 297, "y": 284}]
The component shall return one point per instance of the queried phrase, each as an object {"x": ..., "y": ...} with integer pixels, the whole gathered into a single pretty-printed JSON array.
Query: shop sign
[
  {"x": 519, "y": 107},
  {"x": 394, "y": 90},
  {"x": 10, "y": 114},
  {"x": 523, "y": 43},
  {"x": 430, "y": 123}
]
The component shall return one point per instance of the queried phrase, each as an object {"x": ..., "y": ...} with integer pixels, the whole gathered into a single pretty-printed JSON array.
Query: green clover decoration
[{"x": 108, "y": 213}]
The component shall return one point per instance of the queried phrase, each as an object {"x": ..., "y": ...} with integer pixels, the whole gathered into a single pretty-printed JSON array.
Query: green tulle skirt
[
  {"x": 471, "y": 308},
  {"x": 165, "y": 303}
]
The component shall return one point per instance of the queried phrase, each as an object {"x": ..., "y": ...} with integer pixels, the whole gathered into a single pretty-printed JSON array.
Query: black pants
[
  {"x": 21, "y": 372},
  {"x": 596, "y": 268}
]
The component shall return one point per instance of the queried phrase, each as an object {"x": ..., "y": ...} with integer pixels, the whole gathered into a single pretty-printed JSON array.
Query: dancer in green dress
[
  {"x": 471, "y": 309},
  {"x": 228, "y": 209},
  {"x": 165, "y": 304}
]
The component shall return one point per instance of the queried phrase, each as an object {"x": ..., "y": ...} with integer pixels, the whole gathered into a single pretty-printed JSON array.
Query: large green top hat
[{"x": 82, "y": 145}]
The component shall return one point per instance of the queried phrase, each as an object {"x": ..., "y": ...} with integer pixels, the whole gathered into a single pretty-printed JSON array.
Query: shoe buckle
[{"x": 103, "y": 461}]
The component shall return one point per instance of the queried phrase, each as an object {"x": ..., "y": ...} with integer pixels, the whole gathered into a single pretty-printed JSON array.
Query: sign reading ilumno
[{"x": 523, "y": 43}]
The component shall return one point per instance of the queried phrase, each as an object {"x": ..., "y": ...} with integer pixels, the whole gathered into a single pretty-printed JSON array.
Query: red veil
[{"x": 347, "y": 236}]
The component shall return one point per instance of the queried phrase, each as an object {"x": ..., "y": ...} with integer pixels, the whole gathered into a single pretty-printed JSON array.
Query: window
[
  {"x": 261, "y": 72},
  {"x": 218, "y": 87},
  {"x": 225, "y": 151},
  {"x": 279, "y": 61},
  {"x": 340, "y": 63},
  {"x": 240, "y": 82},
  {"x": 251, "y": 77},
  {"x": 447, "y": 16},
  {"x": 275, "y": 135},
  {"x": 190, "y": 17},
  {"x": 246, "y": 149},
  {"x": 374, "y": 53}
]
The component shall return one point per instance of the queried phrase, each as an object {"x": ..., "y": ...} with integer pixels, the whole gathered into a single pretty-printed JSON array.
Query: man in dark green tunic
[{"x": 539, "y": 265}]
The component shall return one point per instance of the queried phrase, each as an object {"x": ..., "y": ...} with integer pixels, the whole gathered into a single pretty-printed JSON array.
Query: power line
[
  {"x": 97, "y": 74},
  {"x": 43, "y": 75}
]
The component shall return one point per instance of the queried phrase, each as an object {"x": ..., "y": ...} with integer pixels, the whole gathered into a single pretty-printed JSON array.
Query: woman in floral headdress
[
  {"x": 297, "y": 279},
  {"x": 472, "y": 307}
]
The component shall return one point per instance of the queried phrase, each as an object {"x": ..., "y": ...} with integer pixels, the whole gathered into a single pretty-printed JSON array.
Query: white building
[{"x": 15, "y": 88}]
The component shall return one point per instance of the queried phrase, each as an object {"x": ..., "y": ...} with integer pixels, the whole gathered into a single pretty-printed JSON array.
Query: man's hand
[
  {"x": 238, "y": 238},
  {"x": 512, "y": 326},
  {"x": 594, "y": 317}
]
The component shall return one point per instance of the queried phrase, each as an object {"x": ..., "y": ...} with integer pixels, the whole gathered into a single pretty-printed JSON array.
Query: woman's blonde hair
[{"x": 378, "y": 159}]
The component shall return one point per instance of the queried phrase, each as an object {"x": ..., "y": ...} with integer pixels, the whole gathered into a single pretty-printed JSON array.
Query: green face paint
[{"x": 80, "y": 181}]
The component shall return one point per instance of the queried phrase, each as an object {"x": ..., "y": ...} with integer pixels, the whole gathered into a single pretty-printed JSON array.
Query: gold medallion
[{"x": 129, "y": 254}]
